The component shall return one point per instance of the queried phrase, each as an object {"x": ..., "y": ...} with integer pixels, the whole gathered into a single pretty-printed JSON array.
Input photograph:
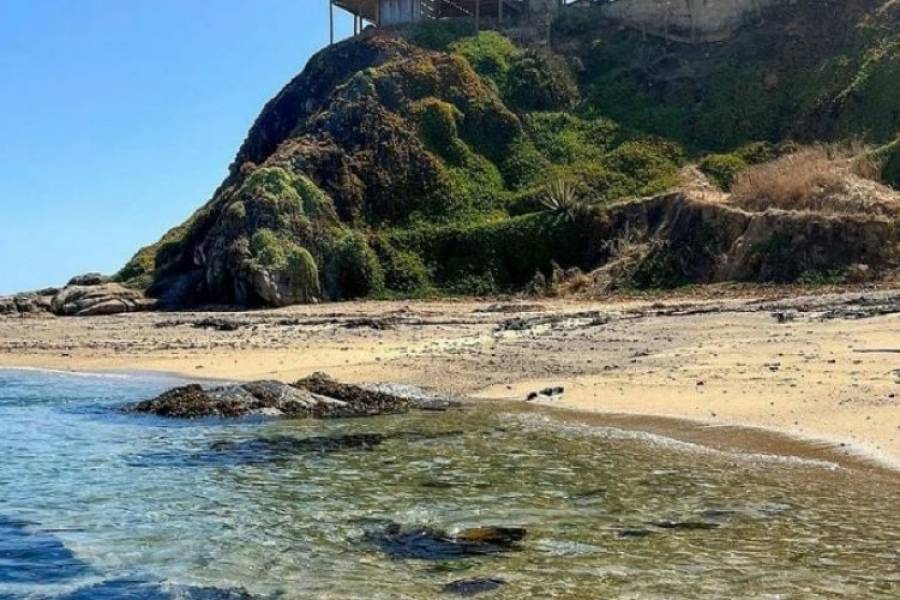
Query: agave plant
[{"x": 561, "y": 197}]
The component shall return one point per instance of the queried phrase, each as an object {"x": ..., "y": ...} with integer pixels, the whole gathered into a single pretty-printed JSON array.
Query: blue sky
[{"x": 119, "y": 117}]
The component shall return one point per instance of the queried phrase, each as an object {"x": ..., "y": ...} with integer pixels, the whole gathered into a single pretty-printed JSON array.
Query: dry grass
[{"x": 820, "y": 179}]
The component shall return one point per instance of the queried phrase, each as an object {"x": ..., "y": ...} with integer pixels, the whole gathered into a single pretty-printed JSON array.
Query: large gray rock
[
  {"x": 269, "y": 398},
  {"x": 89, "y": 279},
  {"x": 28, "y": 302},
  {"x": 106, "y": 299},
  {"x": 317, "y": 396}
]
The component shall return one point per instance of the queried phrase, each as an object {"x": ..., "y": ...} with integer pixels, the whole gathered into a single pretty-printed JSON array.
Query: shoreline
[
  {"x": 718, "y": 365},
  {"x": 750, "y": 443}
]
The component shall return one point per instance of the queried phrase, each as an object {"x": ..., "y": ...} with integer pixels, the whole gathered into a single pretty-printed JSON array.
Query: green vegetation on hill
[{"x": 416, "y": 161}]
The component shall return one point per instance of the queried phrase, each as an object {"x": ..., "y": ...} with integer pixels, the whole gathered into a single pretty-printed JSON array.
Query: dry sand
[{"x": 824, "y": 368}]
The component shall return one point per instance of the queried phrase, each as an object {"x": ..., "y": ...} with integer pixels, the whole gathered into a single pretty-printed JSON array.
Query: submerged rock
[
  {"x": 473, "y": 587},
  {"x": 119, "y": 589},
  {"x": 434, "y": 544},
  {"x": 685, "y": 525},
  {"x": 273, "y": 447}
]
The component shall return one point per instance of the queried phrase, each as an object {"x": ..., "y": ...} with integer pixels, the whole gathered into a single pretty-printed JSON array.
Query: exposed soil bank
[{"x": 822, "y": 368}]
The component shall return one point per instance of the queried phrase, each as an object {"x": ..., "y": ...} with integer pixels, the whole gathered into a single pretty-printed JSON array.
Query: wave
[{"x": 654, "y": 439}]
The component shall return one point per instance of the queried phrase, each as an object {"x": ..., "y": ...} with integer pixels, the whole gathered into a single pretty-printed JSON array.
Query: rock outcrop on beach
[
  {"x": 434, "y": 159},
  {"x": 103, "y": 299},
  {"x": 317, "y": 396},
  {"x": 83, "y": 296}
]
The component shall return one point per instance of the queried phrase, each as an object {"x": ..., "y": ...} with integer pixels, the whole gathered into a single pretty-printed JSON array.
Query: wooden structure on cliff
[{"x": 395, "y": 12}]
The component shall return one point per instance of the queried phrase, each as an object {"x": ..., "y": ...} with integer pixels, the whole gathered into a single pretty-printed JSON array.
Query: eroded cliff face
[
  {"x": 688, "y": 20},
  {"x": 416, "y": 161}
]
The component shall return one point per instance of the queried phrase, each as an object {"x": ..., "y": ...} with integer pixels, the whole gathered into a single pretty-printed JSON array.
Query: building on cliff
[
  {"x": 394, "y": 12},
  {"x": 681, "y": 20}
]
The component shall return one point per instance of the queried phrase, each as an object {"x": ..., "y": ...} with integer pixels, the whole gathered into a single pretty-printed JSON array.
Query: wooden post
[
  {"x": 331, "y": 21},
  {"x": 477, "y": 15}
]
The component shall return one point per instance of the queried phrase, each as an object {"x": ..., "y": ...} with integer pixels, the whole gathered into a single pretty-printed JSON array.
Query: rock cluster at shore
[
  {"x": 317, "y": 396},
  {"x": 86, "y": 295}
]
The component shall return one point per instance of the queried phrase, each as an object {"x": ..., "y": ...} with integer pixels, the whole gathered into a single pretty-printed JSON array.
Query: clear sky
[{"x": 118, "y": 118}]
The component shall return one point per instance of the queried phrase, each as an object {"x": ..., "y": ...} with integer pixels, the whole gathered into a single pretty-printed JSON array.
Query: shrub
[
  {"x": 438, "y": 125},
  {"x": 813, "y": 179},
  {"x": 489, "y": 53},
  {"x": 501, "y": 254},
  {"x": 287, "y": 263},
  {"x": 539, "y": 80},
  {"x": 565, "y": 139},
  {"x": 354, "y": 270},
  {"x": 438, "y": 35},
  {"x": 561, "y": 197},
  {"x": 274, "y": 184},
  {"x": 302, "y": 274},
  {"x": 403, "y": 271},
  {"x": 889, "y": 157},
  {"x": 723, "y": 168},
  {"x": 316, "y": 203}
]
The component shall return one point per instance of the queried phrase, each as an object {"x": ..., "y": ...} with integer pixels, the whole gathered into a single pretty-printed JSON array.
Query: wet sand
[{"x": 823, "y": 368}]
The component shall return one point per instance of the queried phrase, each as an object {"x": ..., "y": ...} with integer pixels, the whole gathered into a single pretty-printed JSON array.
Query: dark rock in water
[
  {"x": 89, "y": 279},
  {"x": 472, "y": 587},
  {"x": 433, "y": 544},
  {"x": 317, "y": 396},
  {"x": 634, "y": 533},
  {"x": 359, "y": 401},
  {"x": 31, "y": 556},
  {"x": 260, "y": 451},
  {"x": 285, "y": 445},
  {"x": 685, "y": 525},
  {"x": 269, "y": 398},
  {"x": 419, "y": 399},
  {"x": 121, "y": 589}
]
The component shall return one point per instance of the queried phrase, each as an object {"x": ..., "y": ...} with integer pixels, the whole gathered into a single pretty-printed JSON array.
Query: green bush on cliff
[
  {"x": 489, "y": 53},
  {"x": 354, "y": 270},
  {"x": 273, "y": 184},
  {"x": 499, "y": 254},
  {"x": 889, "y": 156},
  {"x": 723, "y": 168},
  {"x": 565, "y": 138},
  {"x": 539, "y": 80},
  {"x": 286, "y": 262},
  {"x": 404, "y": 271}
]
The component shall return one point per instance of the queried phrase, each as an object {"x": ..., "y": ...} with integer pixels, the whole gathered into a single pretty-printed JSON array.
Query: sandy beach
[{"x": 823, "y": 368}]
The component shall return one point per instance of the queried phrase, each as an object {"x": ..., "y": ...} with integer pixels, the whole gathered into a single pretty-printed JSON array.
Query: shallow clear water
[{"x": 94, "y": 504}]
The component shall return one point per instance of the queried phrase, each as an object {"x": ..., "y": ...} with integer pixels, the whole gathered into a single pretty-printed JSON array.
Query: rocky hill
[{"x": 431, "y": 159}]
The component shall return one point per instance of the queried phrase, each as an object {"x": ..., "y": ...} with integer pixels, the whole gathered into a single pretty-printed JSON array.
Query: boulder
[
  {"x": 325, "y": 398},
  {"x": 89, "y": 279},
  {"x": 27, "y": 302},
  {"x": 359, "y": 400},
  {"x": 259, "y": 397},
  {"x": 92, "y": 300}
]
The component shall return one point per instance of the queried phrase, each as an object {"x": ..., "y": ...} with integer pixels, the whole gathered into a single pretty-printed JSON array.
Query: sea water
[{"x": 98, "y": 504}]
